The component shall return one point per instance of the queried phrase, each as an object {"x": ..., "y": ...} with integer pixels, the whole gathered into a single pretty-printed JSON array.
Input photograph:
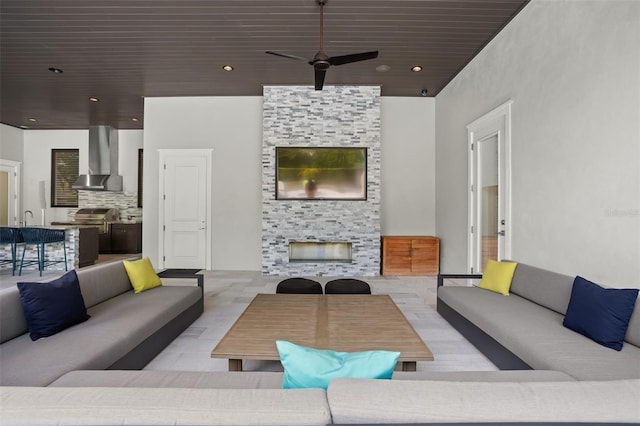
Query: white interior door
[
  {"x": 489, "y": 188},
  {"x": 186, "y": 206},
  {"x": 9, "y": 193}
]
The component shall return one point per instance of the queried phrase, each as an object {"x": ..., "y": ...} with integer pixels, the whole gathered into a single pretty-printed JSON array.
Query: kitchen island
[{"x": 82, "y": 250}]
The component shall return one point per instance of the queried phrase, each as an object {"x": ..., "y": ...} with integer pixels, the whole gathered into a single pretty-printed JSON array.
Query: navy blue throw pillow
[
  {"x": 52, "y": 306},
  {"x": 602, "y": 314}
]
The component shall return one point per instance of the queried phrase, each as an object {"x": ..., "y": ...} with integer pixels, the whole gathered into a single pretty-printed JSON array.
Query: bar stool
[
  {"x": 13, "y": 237},
  {"x": 40, "y": 237}
]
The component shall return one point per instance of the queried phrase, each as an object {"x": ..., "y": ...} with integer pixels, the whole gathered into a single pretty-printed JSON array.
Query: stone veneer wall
[
  {"x": 337, "y": 116},
  {"x": 127, "y": 204}
]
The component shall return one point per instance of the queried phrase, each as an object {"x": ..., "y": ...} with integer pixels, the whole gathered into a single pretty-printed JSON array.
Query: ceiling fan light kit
[{"x": 321, "y": 62}]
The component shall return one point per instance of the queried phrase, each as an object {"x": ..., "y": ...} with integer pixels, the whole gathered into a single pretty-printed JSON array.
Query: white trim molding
[{"x": 495, "y": 122}]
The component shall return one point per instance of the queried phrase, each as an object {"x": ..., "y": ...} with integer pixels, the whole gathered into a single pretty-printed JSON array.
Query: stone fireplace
[{"x": 334, "y": 237}]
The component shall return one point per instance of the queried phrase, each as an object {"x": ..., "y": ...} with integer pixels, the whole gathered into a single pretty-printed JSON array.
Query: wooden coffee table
[{"x": 345, "y": 323}]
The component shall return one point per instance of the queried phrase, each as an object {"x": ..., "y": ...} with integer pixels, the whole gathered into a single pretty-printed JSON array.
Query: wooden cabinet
[
  {"x": 126, "y": 237},
  {"x": 410, "y": 255},
  {"x": 87, "y": 246}
]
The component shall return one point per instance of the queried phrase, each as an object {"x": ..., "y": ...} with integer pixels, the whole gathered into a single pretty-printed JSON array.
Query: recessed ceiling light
[
  {"x": 383, "y": 68},
  {"x": 55, "y": 70},
  {"x": 416, "y": 68},
  {"x": 24, "y": 127},
  {"x": 134, "y": 119},
  {"x": 92, "y": 99},
  {"x": 227, "y": 68},
  {"x": 33, "y": 120}
]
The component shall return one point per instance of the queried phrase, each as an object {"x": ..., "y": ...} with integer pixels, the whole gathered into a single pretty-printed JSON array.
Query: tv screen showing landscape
[{"x": 304, "y": 173}]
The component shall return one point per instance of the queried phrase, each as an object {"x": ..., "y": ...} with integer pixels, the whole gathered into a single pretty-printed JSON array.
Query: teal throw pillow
[{"x": 306, "y": 367}]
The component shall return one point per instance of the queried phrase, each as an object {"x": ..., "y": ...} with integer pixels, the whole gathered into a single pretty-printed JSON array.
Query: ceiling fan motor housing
[{"x": 321, "y": 61}]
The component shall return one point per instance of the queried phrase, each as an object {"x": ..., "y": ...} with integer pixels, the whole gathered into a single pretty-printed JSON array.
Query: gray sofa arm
[
  {"x": 442, "y": 277},
  {"x": 170, "y": 274}
]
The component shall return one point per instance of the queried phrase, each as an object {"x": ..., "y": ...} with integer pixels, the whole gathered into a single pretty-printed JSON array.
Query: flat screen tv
[{"x": 304, "y": 173}]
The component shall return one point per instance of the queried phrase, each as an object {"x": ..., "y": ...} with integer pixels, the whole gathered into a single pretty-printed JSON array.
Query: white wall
[
  {"x": 572, "y": 69},
  {"x": 11, "y": 143},
  {"x": 408, "y": 166},
  {"x": 37, "y": 165},
  {"x": 232, "y": 126},
  {"x": 129, "y": 141}
]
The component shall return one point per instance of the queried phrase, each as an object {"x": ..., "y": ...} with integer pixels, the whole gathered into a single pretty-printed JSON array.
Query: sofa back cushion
[
  {"x": 365, "y": 401},
  {"x": 97, "y": 284},
  {"x": 553, "y": 291},
  {"x": 633, "y": 331},
  {"x": 546, "y": 288},
  {"x": 102, "y": 282},
  {"x": 12, "y": 322}
]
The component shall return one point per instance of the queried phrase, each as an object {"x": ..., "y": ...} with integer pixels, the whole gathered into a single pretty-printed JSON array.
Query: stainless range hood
[{"x": 103, "y": 161}]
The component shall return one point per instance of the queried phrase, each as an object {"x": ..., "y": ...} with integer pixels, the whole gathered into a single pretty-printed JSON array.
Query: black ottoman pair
[{"x": 337, "y": 286}]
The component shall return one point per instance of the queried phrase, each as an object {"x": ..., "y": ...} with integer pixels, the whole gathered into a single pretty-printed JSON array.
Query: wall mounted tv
[{"x": 326, "y": 173}]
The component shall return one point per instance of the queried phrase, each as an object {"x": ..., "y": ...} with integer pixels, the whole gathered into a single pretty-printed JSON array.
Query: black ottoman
[
  {"x": 299, "y": 286},
  {"x": 347, "y": 286}
]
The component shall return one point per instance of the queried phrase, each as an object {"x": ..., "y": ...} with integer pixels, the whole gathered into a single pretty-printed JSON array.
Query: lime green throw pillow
[
  {"x": 497, "y": 276},
  {"x": 141, "y": 274}
]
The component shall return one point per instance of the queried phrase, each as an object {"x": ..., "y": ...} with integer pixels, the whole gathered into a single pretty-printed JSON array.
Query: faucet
[{"x": 25, "y": 216}]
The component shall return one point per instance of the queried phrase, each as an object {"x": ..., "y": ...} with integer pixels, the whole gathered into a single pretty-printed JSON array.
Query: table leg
[
  {"x": 235, "y": 365},
  {"x": 408, "y": 366}
]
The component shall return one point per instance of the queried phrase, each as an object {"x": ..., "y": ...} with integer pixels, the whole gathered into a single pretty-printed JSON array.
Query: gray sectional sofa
[
  {"x": 524, "y": 330},
  {"x": 125, "y": 330},
  {"x": 256, "y": 398},
  {"x": 564, "y": 393}
]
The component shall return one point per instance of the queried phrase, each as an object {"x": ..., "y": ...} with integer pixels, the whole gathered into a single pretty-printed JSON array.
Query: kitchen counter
[{"x": 81, "y": 242}]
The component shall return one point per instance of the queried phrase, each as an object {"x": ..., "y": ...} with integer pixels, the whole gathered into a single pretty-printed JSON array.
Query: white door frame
[
  {"x": 14, "y": 201},
  {"x": 163, "y": 154},
  {"x": 494, "y": 123}
]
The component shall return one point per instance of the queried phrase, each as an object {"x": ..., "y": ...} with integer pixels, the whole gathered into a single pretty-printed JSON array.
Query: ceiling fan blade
[
  {"x": 320, "y": 78},
  {"x": 347, "y": 59},
  {"x": 286, "y": 55}
]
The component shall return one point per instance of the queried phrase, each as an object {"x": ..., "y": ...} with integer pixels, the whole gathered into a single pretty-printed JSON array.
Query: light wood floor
[{"x": 228, "y": 293}]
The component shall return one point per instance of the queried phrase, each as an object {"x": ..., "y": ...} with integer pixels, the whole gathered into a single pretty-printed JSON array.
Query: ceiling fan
[{"x": 321, "y": 61}]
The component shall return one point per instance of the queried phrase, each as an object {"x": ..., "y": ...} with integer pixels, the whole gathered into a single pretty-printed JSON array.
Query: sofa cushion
[
  {"x": 485, "y": 376},
  {"x": 497, "y": 276},
  {"x": 168, "y": 406},
  {"x": 141, "y": 274},
  {"x": 116, "y": 327},
  {"x": 12, "y": 322},
  {"x": 602, "y": 314},
  {"x": 171, "y": 379},
  {"x": 93, "y": 279},
  {"x": 306, "y": 367},
  {"x": 633, "y": 331},
  {"x": 365, "y": 401},
  {"x": 546, "y": 288},
  {"x": 536, "y": 335},
  {"x": 50, "y": 307}
]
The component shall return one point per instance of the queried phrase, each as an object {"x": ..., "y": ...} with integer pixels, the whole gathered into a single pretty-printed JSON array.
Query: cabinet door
[
  {"x": 125, "y": 238},
  {"x": 425, "y": 256},
  {"x": 396, "y": 256}
]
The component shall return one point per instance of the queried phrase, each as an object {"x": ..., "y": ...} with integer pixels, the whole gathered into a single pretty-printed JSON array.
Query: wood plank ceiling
[{"x": 121, "y": 51}]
